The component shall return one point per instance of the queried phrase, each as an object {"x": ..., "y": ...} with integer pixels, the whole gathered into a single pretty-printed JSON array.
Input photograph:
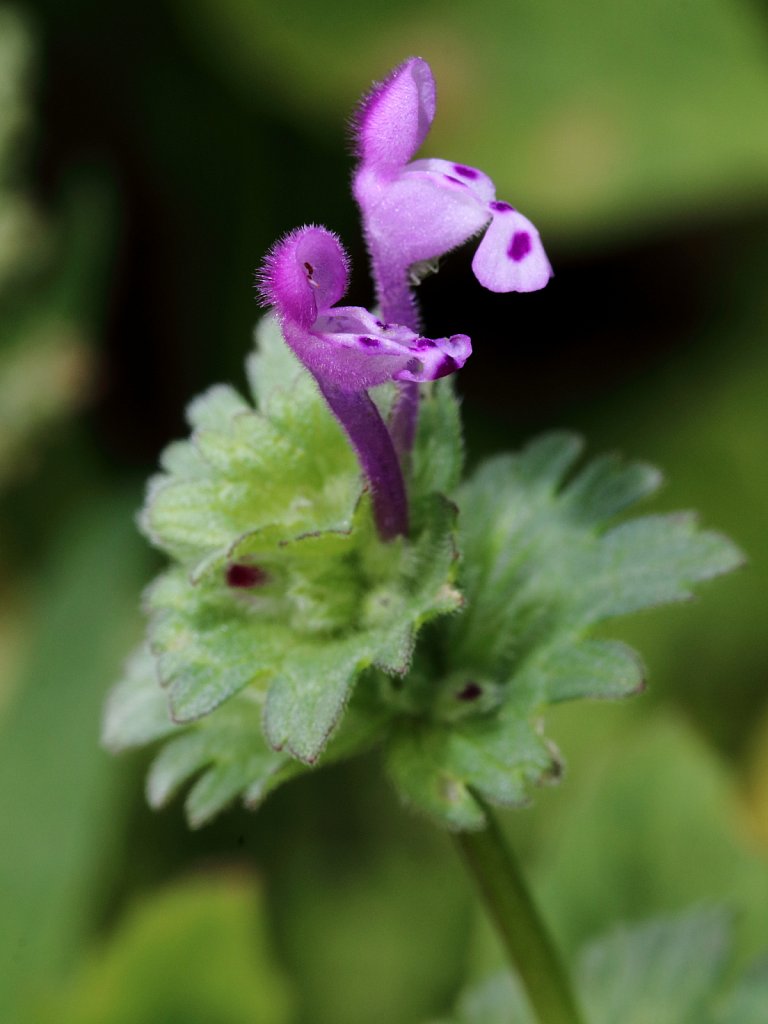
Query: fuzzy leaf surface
[
  {"x": 283, "y": 466},
  {"x": 438, "y": 454},
  {"x": 280, "y": 593},
  {"x": 221, "y": 757},
  {"x": 543, "y": 562},
  {"x": 668, "y": 970},
  {"x": 330, "y": 607}
]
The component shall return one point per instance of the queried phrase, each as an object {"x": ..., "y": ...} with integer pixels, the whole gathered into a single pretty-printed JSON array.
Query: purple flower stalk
[
  {"x": 414, "y": 211},
  {"x": 347, "y": 350}
]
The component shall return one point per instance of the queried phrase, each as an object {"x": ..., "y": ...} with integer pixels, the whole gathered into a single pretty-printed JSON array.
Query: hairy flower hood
[{"x": 303, "y": 277}]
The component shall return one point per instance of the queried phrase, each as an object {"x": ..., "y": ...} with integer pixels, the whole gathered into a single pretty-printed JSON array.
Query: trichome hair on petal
[
  {"x": 304, "y": 273},
  {"x": 393, "y": 118}
]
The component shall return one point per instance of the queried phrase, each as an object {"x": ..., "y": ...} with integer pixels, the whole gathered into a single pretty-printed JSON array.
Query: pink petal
[
  {"x": 305, "y": 273},
  {"x": 511, "y": 258},
  {"x": 394, "y": 118},
  {"x": 420, "y": 215},
  {"x": 351, "y": 350},
  {"x": 451, "y": 176}
]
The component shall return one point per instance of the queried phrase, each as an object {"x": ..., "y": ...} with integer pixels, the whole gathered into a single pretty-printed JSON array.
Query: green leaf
[
  {"x": 666, "y": 971},
  {"x": 498, "y": 999},
  {"x": 433, "y": 767},
  {"x": 606, "y": 486},
  {"x": 438, "y": 452},
  {"x": 543, "y": 462},
  {"x": 308, "y": 697},
  {"x": 224, "y": 755},
  {"x": 209, "y": 643},
  {"x": 538, "y": 562},
  {"x": 195, "y": 952},
  {"x": 599, "y": 669},
  {"x": 274, "y": 494},
  {"x": 273, "y": 371},
  {"x": 312, "y": 686},
  {"x": 227, "y": 756},
  {"x": 329, "y": 606},
  {"x": 285, "y": 468},
  {"x": 651, "y": 561},
  {"x": 137, "y": 710},
  {"x": 543, "y": 562}
]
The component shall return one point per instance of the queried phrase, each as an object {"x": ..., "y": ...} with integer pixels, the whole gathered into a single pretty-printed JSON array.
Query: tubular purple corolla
[{"x": 348, "y": 350}]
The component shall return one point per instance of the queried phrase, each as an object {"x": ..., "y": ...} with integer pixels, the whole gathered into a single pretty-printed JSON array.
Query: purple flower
[
  {"x": 303, "y": 277},
  {"x": 347, "y": 350},
  {"x": 417, "y": 210}
]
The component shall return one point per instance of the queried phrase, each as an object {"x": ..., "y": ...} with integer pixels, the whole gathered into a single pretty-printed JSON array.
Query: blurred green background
[{"x": 149, "y": 154}]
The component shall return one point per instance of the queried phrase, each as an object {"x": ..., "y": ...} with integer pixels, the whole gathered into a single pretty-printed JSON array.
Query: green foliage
[
  {"x": 542, "y": 564},
  {"x": 666, "y": 971},
  {"x": 326, "y": 611},
  {"x": 224, "y": 754},
  {"x": 259, "y": 675},
  {"x": 669, "y": 970},
  {"x": 276, "y": 492},
  {"x": 248, "y": 476},
  {"x": 195, "y": 953}
]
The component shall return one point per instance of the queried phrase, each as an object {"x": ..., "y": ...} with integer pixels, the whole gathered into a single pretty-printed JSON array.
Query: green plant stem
[{"x": 529, "y": 946}]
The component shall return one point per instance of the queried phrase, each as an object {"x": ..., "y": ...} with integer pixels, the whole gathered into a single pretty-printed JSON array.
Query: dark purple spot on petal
[
  {"x": 424, "y": 343},
  {"x": 309, "y": 269},
  {"x": 369, "y": 342},
  {"x": 447, "y": 365},
  {"x": 466, "y": 172},
  {"x": 499, "y": 207},
  {"x": 245, "y": 576},
  {"x": 456, "y": 181},
  {"x": 520, "y": 246},
  {"x": 378, "y": 323},
  {"x": 414, "y": 366},
  {"x": 471, "y": 691}
]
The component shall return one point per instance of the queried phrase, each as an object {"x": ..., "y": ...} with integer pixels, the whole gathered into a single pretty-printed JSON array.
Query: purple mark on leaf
[
  {"x": 520, "y": 246},
  {"x": 244, "y": 576}
]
